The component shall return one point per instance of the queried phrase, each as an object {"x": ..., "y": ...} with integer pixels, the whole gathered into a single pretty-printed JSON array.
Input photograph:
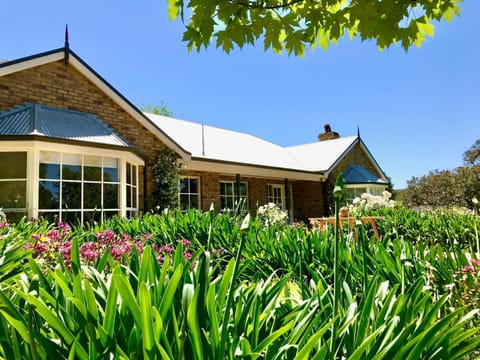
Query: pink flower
[
  {"x": 474, "y": 262},
  {"x": 185, "y": 242}
]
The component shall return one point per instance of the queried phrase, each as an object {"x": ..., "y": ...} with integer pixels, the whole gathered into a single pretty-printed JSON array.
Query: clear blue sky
[{"x": 417, "y": 111}]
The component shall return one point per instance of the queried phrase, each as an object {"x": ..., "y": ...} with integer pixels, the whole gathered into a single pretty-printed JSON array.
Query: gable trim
[
  {"x": 359, "y": 141},
  {"x": 80, "y": 65}
]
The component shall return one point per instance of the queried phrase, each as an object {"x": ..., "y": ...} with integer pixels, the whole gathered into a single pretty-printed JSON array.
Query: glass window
[
  {"x": 13, "y": 181},
  {"x": 275, "y": 194},
  {"x": 189, "y": 193},
  {"x": 229, "y": 194},
  {"x": 13, "y": 165},
  {"x": 132, "y": 195},
  {"x": 77, "y": 186},
  {"x": 72, "y": 167}
]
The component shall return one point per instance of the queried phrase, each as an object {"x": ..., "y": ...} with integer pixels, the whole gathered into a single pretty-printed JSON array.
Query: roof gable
[{"x": 74, "y": 60}]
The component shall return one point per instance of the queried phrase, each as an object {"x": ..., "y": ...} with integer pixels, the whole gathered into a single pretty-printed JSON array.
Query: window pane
[
  {"x": 193, "y": 185},
  {"x": 134, "y": 175},
  {"x": 194, "y": 202},
  {"x": 134, "y": 197},
  {"x": 184, "y": 202},
  {"x": 243, "y": 189},
  {"x": 92, "y": 216},
  {"x": 50, "y": 171},
  {"x": 91, "y": 173},
  {"x": 72, "y": 217},
  {"x": 92, "y": 196},
  {"x": 110, "y": 196},
  {"x": 71, "y": 172},
  {"x": 72, "y": 167},
  {"x": 110, "y": 170},
  {"x": 92, "y": 169},
  {"x": 183, "y": 186},
  {"x": 71, "y": 195},
  {"x": 129, "y": 196},
  {"x": 12, "y": 194},
  {"x": 109, "y": 214},
  {"x": 13, "y": 165},
  {"x": 51, "y": 217},
  {"x": 129, "y": 173},
  {"x": 48, "y": 195}
]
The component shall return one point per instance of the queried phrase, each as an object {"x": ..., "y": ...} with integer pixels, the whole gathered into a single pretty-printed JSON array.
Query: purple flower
[{"x": 185, "y": 242}]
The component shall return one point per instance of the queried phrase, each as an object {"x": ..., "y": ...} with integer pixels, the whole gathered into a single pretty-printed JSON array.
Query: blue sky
[{"x": 417, "y": 111}]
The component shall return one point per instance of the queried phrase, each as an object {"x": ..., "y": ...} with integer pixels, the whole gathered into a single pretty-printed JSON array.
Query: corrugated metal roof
[
  {"x": 213, "y": 143},
  {"x": 35, "y": 119},
  {"x": 356, "y": 174}
]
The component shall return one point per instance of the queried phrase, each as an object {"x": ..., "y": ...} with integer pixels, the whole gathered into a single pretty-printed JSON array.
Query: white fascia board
[
  {"x": 27, "y": 64},
  {"x": 128, "y": 108},
  {"x": 251, "y": 171},
  {"x": 20, "y": 145}
]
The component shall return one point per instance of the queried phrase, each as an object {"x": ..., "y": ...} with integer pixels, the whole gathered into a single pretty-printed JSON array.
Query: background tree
[
  {"x": 165, "y": 175},
  {"x": 295, "y": 25},
  {"x": 456, "y": 187},
  {"x": 160, "y": 109},
  {"x": 472, "y": 155}
]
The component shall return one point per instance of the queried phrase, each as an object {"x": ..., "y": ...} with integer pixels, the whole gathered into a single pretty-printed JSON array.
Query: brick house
[{"x": 71, "y": 146}]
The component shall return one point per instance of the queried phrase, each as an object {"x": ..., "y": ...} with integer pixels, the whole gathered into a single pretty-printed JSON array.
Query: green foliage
[
  {"x": 160, "y": 109},
  {"x": 165, "y": 186},
  {"x": 472, "y": 155},
  {"x": 295, "y": 25},
  {"x": 267, "y": 295},
  {"x": 444, "y": 188}
]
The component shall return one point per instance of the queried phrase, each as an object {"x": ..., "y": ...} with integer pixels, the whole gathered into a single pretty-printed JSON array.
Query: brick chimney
[{"x": 328, "y": 134}]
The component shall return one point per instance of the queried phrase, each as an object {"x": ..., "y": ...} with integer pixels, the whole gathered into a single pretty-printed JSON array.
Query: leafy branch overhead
[{"x": 296, "y": 25}]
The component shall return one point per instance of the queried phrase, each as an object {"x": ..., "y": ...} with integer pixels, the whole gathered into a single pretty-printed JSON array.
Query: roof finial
[
  {"x": 67, "y": 45},
  {"x": 358, "y": 131}
]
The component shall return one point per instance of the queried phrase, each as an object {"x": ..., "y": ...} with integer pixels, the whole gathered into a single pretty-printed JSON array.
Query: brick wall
[
  {"x": 58, "y": 85},
  {"x": 307, "y": 196},
  {"x": 308, "y": 199}
]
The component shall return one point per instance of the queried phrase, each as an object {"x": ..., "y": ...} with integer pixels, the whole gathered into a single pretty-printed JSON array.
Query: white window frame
[
  {"x": 359, "y": 189},
  {"x": 189, "y": 193},
  {"x": 33, "y": 149},
  {"x": 24, "y": 180},
  {"x": 234, "y": 194}
]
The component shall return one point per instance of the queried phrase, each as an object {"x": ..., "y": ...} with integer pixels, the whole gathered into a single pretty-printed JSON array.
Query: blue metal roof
[
  {"x": 36, "y": 119},
  {"x": 356, "y": 174}
]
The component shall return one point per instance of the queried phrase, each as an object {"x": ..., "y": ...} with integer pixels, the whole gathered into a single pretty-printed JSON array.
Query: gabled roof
[
  {"x": 356, "y": 174},
  {"x": 74, "y": 60},
  {"x": 212, "y": 143},
  {"x": 323, "y": 155},
  {"x": 41, "y": 120}
]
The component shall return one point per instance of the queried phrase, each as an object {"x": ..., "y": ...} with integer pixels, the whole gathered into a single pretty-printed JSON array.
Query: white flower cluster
[
  {"x": 371, "y": 202},
  {"x": 271, "y": 214}
]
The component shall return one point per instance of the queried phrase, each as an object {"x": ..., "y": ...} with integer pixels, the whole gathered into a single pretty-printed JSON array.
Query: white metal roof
[
  {"x": 322, "y": 155},
  {"x": 212, "y": 143}
]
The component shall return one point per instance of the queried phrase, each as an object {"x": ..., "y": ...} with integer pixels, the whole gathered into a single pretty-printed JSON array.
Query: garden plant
[{"x": 200, "y": 285}]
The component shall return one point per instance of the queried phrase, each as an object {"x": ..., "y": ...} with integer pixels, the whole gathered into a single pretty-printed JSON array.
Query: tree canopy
[
  {"x": 160, "y": 109},
  {"x": 472, "y": 155},
  {"x": 296, "y": 25}
]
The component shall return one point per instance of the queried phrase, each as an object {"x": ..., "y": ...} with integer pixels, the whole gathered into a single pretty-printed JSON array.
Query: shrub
[
  {"x": 271, "y": 215},
  {"x": 444, "y": 188}
]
